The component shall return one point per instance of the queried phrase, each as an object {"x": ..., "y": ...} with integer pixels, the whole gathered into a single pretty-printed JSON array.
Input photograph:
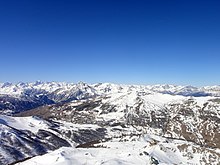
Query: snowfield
[
  {"x": 32, "y": 124},
  {"x": 149, "y": 149}
]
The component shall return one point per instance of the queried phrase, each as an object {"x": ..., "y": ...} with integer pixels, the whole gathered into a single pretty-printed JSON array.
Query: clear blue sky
[{"x": 120, "y": 41}]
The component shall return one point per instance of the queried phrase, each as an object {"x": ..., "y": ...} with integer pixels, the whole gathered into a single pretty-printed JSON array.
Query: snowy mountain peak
[
  {"x": 17, "y": 89},
  {"x": 6, "y": 84}
]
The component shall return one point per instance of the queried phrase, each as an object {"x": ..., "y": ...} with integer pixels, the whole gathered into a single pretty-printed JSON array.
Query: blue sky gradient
[{"x": 120, "y": 41}]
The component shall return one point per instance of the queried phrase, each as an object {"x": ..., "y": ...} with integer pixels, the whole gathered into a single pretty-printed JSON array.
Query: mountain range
[{"x": 107, "y": 123}]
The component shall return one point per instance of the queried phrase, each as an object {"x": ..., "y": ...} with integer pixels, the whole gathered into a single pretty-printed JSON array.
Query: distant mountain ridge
[
  {"x": 22, "y": 96},
  {"x": 49, "y": 87}
]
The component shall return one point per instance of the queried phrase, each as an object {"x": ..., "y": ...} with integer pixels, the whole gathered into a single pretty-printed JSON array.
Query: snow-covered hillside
[
  {"x": 148, "y": 149},
  {"x": 119, "y": 145},
  {"x": 24, "y": 137}
]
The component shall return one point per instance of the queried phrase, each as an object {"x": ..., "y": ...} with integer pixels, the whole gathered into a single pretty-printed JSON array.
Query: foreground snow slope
[{"x": 148, "y": 149}]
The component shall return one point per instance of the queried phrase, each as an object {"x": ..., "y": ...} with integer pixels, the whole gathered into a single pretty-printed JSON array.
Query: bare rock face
[{"x": 200, "y": 124}]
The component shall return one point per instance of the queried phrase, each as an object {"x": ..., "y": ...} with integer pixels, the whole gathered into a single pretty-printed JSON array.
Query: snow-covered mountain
[
  {"x": 137, "y": 124},
  {"x": 19, "y": 97},
  {"x": 39, "y": 87}
]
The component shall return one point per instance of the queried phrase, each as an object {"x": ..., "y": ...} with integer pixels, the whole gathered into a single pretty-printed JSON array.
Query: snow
[
  {"x": 70, "y": 126},
  {"x": 32, "y": 124},
  {"x": 201, "y": 100},
  {"x": 141, "y": 151},
  {"x": 161, "y": 99},
  {"x": 130, "y": 98},
  {"x": 90, "y": 156}
]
